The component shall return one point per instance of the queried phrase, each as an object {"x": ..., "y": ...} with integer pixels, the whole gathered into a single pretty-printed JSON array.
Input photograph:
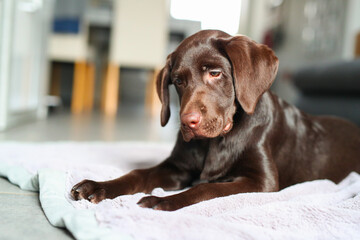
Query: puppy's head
[{"x": 211, "y": 70}]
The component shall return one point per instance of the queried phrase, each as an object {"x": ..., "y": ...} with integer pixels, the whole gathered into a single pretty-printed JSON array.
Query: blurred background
[{"x": 84, "y": 70}]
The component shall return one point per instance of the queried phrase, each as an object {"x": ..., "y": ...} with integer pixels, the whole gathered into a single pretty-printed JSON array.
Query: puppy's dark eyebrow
[
  {"x": 212, "y": 60},
  {"x": 175, "y": 75},
  {"x": 210, "y": 66},
  {"x": 213, "y": 63}
]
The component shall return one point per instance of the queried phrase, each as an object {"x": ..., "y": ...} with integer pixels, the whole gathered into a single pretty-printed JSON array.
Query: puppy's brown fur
[{"x": 236, "y": 136}]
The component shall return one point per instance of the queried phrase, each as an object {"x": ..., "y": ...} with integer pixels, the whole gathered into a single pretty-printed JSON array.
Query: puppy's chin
[{"x": 189, "y": 134}]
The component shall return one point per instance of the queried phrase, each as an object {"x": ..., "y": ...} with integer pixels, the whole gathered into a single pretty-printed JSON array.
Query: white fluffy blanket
[{"x": 311, "y": 210}]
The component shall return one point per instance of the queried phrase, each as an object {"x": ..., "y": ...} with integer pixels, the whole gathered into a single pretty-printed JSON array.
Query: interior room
[{"x": 85, "y": 72}]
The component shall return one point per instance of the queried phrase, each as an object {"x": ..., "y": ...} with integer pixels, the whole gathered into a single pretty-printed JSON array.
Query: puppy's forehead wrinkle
[
  {"x": 197, "y": 58},
  {"x": 190, "y": 55}
]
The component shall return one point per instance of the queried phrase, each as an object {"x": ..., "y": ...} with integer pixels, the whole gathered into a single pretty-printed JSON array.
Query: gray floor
[
  {"x": 131, "y": 124},
  {"x": 21, "y": 216}
]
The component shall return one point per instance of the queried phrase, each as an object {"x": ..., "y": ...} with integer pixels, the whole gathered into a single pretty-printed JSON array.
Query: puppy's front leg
[
  {"x": 164, "y": 175},
  {"x": 202, "y": 192}
]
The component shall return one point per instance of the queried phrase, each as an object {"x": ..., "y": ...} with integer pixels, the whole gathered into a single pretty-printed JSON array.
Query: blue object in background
[{"x": 66, "y": 25}]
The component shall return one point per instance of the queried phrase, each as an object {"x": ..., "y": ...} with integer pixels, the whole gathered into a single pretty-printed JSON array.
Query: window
[{"x": 213, "y": 14}]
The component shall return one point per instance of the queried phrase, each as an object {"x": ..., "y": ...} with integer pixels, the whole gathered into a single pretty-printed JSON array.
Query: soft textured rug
[{"x": 311, "y": 210}]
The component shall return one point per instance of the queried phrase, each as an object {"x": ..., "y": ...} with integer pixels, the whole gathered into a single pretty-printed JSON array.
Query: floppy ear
[
  {"x": 162, "y": 88},
  {"x": 254, "y": 69}
]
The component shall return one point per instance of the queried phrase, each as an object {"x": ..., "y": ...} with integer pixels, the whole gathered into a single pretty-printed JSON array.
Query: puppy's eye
[
  {"x": 178, "y": 81},
  {"x": 215, "y": 73}
]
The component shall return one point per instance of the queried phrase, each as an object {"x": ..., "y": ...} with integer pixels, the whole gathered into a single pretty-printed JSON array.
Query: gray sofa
[{"x": 330, "y": 89}]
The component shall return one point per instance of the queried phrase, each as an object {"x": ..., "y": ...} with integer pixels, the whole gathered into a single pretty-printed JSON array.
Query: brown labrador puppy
[{"x": 236, "y": 136}]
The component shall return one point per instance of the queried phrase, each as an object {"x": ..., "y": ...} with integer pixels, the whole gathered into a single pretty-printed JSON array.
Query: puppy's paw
[
  {"x": 89, "y": 190},
  {"x": 159, "y": 203}
]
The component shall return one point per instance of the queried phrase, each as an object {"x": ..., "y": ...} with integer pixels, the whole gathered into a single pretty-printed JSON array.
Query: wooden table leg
[
  {"x": 78, "y": 92},
  {"x": 152, "y": 102},
  {"x": 357, "y": 45},
  {"x": 89, "y": 87},
  {"x": 110, "y": 90},
  {"x": 55, "y": 79}
]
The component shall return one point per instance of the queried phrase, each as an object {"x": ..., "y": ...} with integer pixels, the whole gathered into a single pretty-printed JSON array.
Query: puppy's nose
[{"x": 192, "y": 120}]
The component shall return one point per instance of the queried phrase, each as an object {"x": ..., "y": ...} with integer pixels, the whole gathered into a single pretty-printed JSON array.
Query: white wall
[
  {"x": 5, "y": 44},
  {"x": 352, "y": 28},
  {"x": 139, "y": 33},
  {"x": 23, "y": 67},
  {"x": 253, "y": 19}
]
